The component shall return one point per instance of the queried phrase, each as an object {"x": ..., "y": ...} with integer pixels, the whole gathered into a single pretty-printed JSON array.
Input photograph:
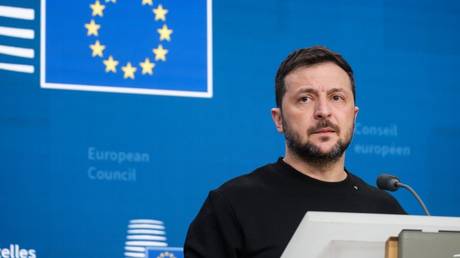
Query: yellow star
[
  {"x": 128, "y": 70},
  {"x": 160, "y": 13},
  {"x": 97, "y": 49},
  {"x": 93, "y": 28},
  {"x": 165, "y": 33},
  {"x": 149, "y": 2},
  {"x": 160, "y": 53},
  {"x": 147, "y": 66},
  {"x": 98, "y": 8},
  {"x": 110, "y": 65}
]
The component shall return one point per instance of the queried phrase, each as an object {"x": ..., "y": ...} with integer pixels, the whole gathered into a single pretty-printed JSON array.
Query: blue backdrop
[{"x": 80, "y": 168}]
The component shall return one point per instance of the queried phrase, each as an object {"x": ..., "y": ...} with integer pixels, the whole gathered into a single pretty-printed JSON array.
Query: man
[{"x": 255, "y": 215}]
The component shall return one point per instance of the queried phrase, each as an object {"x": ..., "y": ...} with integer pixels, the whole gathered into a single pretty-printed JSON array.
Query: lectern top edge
[{"x": 370, "y": 218}]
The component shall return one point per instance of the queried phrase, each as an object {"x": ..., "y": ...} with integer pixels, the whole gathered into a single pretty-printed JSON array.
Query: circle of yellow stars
[{"x": 111, "y": 63}]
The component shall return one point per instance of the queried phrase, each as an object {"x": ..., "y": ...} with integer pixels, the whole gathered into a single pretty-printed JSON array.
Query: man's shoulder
[{"x": 249, "y": 181}]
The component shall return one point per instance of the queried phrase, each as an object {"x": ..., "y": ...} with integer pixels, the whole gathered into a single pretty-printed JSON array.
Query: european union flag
[
  {"x": 165, "y": 252},
  {"x": 143, "y": 46}
]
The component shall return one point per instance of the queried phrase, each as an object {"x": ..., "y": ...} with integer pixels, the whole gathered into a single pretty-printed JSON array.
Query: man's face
[{"x": 318, "y": 112}]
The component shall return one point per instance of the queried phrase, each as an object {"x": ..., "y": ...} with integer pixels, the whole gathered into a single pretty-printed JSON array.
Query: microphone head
[{"x": 387, "y": 182}]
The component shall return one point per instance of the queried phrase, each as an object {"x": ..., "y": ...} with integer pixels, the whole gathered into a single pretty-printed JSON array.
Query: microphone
[{"x": 392, "y": 183}]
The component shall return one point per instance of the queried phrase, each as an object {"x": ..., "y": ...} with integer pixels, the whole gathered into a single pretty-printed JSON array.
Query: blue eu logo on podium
[
  {"x": 165, "y": 252},
  {"x": 138, "y": 47},
  {"x": 146, "y": 238}
]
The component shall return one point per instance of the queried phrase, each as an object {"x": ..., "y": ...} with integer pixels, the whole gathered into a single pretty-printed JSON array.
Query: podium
[{"x": 357, "y": 235}]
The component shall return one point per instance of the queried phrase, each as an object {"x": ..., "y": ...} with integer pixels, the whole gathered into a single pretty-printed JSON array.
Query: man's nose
[{"x": 322, "y": 110}]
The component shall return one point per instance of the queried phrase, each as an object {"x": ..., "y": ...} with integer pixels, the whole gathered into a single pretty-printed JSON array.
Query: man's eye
[
  {"x": 337, "y": 98},
  {"x": 304, "y": 99}
]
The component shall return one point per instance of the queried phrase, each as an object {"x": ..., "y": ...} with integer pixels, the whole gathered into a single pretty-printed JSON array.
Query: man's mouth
[{"x": 324, "y": 131}]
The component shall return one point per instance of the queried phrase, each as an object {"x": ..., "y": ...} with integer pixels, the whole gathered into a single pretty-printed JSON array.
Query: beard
[{"x": 310, "y": 152}]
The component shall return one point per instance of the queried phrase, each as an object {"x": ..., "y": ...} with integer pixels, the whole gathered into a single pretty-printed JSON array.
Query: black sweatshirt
[{"x": 255, "y": 215}]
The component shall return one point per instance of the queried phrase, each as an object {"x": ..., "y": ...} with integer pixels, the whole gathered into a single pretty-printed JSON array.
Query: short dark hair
[{"x": 305, "y": 57}]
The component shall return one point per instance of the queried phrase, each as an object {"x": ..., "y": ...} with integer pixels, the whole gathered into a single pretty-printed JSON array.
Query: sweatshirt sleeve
[{"x": 215, "y": 232}]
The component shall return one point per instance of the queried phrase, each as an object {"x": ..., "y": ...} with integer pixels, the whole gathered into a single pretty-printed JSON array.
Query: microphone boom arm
[{"x": 415, "y": 195}]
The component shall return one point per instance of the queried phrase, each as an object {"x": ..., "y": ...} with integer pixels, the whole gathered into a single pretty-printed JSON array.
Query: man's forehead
[{"x": 320, "y": 77}]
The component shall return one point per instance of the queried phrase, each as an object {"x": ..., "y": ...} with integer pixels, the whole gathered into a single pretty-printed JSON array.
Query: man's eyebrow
[
  {"x": 307, "y": 90},
  {"x": 333, "y": 90}
]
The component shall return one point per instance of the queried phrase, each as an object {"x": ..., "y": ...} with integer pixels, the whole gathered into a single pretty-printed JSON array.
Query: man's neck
[{"x": 331, "y": 172}]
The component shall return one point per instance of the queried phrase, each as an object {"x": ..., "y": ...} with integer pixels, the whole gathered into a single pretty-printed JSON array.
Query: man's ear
[
  {"x": 356, "y": 111},
  {"x": 277, "y": 119}
]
